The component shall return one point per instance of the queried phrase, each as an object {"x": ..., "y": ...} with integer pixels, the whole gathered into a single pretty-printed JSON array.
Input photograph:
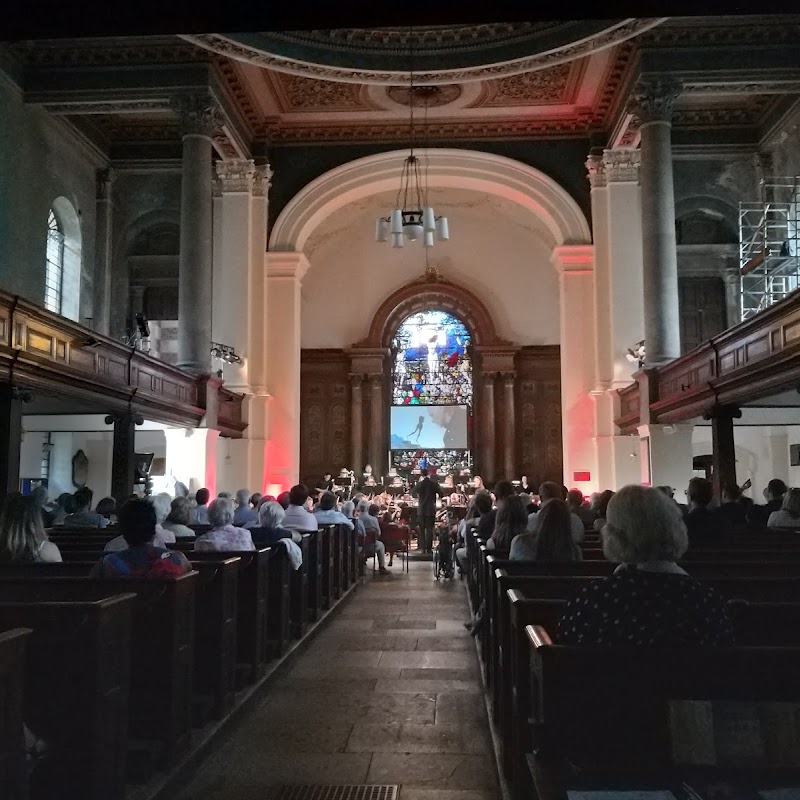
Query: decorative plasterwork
[
  {"x": 621, "y": 165},
  {"x": 298, "y": 93},
  {"x": 739, "y": 31},
  {"x": 262, "y": 180},
  {"x": 554, "y": 86},
  {"x": 653, "y": 101},
  {"x": 118, "y": 51},
  {"x": 596, "y": 169},
  {"x": 199, "y": 114},
  {"x": 120, "y": 106},
  {"x": 614, "y": 34},
  {"x": 238, "y": 90},
  {"x": 425, "y": 96},
  {"x": 235, "y": 175}
]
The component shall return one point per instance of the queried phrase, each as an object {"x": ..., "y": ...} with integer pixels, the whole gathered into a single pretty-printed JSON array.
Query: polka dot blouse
[{"x": 634, "y": 607}]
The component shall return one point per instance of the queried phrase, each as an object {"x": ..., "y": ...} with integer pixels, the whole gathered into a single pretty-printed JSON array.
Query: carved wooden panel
[{"x": 324, "y": 413}]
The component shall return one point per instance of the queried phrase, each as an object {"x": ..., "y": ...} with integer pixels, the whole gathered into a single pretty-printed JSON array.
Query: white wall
[{"x": 496, "y": 249}]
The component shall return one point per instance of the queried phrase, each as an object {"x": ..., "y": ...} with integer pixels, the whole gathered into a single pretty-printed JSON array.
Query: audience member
[
  {"x": 83, "y": 516},
  {"x": 732, "y": 511},
  {"x": 298, "y": 517},
  {"x": 553, "y": 538},
  {"x": 283, "y": 499},
  {"x": 107, "y": 507},
  {"x": 22, "y": 534},
  {"x": 177, "y": 522},
  {"x": 702, "y": 524},
  {"x": 578, "y": 507},
  {"x": 270, "y": 527},
  {"x": 502, "y": 489},
  {"x": 649, "y": 600},
  {"x": 788, "y": 515},
  {"x": 548, "y": 492},
  {"x": 65, "y": 505},
  {"x": 349, "y": 510},
  {"x": 480, "y": 504},
  {"x": 327, "y": 514},
  {"x": 200, "y": 511},
  {"x": 773, "y": 494},
  {"x": 223, "y": 536},
  {"x": 372, "y": 530},
  {"x": 162, "y": 505},
  {"x": 142, "y": 558},
  {"x": 510, "y": 521},
  {"x": 244, "y": 516},
  {"x": 39, "y": 495},
  {"x": 255, "y": 500},
  {"x": 599, "y": 508},
  {"x": 670, "y": 492}
]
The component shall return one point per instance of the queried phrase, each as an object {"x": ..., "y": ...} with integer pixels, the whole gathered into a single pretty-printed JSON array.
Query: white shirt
[
  {"x": 298, "y": 519},
  {"x": 578, "y": 531},
  {"x": 782, "y": 519},
  {"x": 332, "y": 517}
]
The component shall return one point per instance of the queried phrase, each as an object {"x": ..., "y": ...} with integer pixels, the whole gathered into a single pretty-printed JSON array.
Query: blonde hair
[
  {"x": 791, "y": 502},
  {"x": 21, "y": 530}
]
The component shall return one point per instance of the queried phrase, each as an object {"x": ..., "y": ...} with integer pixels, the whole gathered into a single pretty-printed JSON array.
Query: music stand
[
  {"x": 142, "y": 464},
  {"x": 396, "y": 491}
]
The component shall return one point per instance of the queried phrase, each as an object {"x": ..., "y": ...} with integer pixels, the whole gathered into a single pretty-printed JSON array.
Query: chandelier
[{"x": 413, "y": 217}]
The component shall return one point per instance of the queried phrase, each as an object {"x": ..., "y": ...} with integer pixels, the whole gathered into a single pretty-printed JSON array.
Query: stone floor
[{"x": 388, "y": 692}]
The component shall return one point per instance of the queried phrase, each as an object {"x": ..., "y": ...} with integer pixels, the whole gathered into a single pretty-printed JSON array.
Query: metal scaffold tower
[{"x": 769, "y": 244}]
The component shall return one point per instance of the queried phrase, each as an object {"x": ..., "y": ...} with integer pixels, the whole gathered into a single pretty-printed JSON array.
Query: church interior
[{"x": 421, "y": 289}]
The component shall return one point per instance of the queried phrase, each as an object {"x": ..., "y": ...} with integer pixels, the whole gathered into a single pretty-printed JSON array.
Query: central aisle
[{"x": 388, "y": 693}]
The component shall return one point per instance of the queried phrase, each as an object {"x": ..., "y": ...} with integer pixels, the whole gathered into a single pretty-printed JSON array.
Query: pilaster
[{"x": 104, "y": 215}]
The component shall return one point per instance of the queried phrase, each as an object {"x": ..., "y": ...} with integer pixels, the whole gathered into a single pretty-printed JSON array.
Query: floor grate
[{"x": 323, "y": 792}]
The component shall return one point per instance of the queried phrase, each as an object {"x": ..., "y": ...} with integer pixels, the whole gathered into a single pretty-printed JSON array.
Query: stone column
[
  {"x": 377, "y": 451},
  {"x": 487, "y": 468},
  {"x": 732, "y": 278},
  {"x": 723, "y": 446},
  {"x": 123, "y": 450},
  {"x": 651, "y": 104},
  {"x": 285, "y": 273},
  {"x": 11, "y": 400},
  {"x": 574, "y": 264},
  {"x": 101, "y": 314},
  {"x": 356, "y": 422},
  {"x": 509, "y": 434},
  {"x": 199, "y": 118}
]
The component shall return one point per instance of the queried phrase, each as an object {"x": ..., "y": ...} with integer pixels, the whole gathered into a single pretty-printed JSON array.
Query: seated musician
[
  {"x": 326, "y": 484},
  {"x": 649, "y": 600},
  {"x": 141, "y": 559},
  {"x": 327, "y": 514},
  {"x": 224, "y": 535},
  {"x": 269, "y": 530},
  {"x": 22, "y": 534}
]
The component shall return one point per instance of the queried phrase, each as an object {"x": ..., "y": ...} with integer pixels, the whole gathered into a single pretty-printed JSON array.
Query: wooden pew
[
  {"x": 765, "y": 624},
  {"x": 13, "y": 646},
  {"x": 77, "y": 676},
  {"x": 161, "y": 653},
  {"x": 298, "y": 592},
  {"x": 337, "y": 556},
  {"x": 278, "y": 601},
  {"x": 314, "y": 575},
  {"x": 328, "y": 547}
]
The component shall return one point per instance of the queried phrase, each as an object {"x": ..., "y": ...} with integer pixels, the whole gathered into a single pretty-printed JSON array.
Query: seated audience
[
  {"x": 200, "y": 511},
  {"x": 162, "y": 505},
  {"x": 670, "y": 492},
  {"x": 327, "y": 514},
  {"x": 298, "y": 517},
  {"x": 22, "y": 534},
  {"x": 349, "y": 510},
  {"x": 479, "y": 505},
  {"x": 553, "y": 538},
  {"x": 579, "y": 508},
  {"x": 703, "y": 524},
  {"x": 39, "y": 495},
  {"x": 270, "y": 528},
  {"x": 142, "y": 558},
  {"x": 255, "y": 501},
  {"x": 502, "y": 489},
  {"x": 599, "y": 509},
  {"x": 83, "y": 516},
  {"x": 107, "y": 507},
  {"x": 548, "y": 492},
  {"x": 283, "y": 499},
  {"x": 732, "y": 510},
  {"x": 244, "y": 516},
  {"x": 510, "y": 521},
  {"x": 223, "y": 535},
  {"x": 65, "y": 505},
  {"x": 649, "y": 600},
  {"x": 372, "y": 530},
  {"x": 788, "y": 515},
  {"x": 177, "y": 522},
  {"x": 773, "y": 494}
]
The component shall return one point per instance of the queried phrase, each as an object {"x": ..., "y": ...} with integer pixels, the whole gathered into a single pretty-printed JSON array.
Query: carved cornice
[
  {"x": 622, "y": 165},
  {"x": 596, "y": 168},
  {"x": 199, "y": 114},
  {"x": 262, "y": 180},
  {"x": 119, "y": 106},
  {"x": 234, "y": 176},
  {"x": 739, "y": 31},
  {"x": 653, "y": 100},
  {"x": 552, "y": 86}
]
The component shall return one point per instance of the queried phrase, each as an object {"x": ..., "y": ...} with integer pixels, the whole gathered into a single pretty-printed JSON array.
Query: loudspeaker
[{"x": 794, "y": 455}]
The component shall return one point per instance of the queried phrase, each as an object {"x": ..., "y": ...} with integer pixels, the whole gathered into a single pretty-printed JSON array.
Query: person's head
[
  {"x": 791, "y": 502},
  {"x": 554, "y": 537},
  {"x": 39, "y": 496},
  {"x": 511, "y": 520},
  {"x": 21, "y": 529},
  {"x": 643, "y": 524},
  {"x": 524, "y": 480},
  {"x": 106, "y": 507},
  {"x": 327, "y": 501},
  {"x": 478, "y": 481},
  {"x": 283, "y": 499},
  {"x": 271, "y": 514},
  {"x": 700, "y": 492},
  {"x": 225, "y": 495},
  {"x": 424, "y": 473},
  {"x": 181, "y": 489},
  {"x": 348, "y": 507},
  {"x": 255, "y": 499},
  {"x": 776, "y": 489},
  {"x": 503, "y": 489},
  {"x": 201, "y": 497},
  {"x": 603, "y": 501},
  {"x": 242, "y": 498},
  {"x": 67, "y": 502},
  {"x": 83, "y": 498},
  {"x": 180, "y": 511},
  {"x": 483, "y": 502},
  {"x": 575, "y": 498},
  {"x": 368, "y": 469},
  {"x": 374, "y": 509},
  {"x": 137, "y": 522},
  {"x": 363, "y": 507},
  {"x": 326, "y": 476},
  {"x": 298, "y": 495},
  {"x": 667, "y": 490},
  {"x": 220, "y": 512},
  {"x": 386, "y": 517},
  {"x": 548, "y": 491},
  {"x": 731, "y": 493},
  {"x": 162, "y": 504}
]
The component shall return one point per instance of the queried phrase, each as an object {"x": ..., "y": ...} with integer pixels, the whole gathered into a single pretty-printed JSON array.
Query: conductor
[{"x": 426, "y": 492}]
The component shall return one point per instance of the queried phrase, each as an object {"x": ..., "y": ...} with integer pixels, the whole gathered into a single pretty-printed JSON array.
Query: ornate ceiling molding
[
  {"x": 133, "y": 51},
  {"x": 554, "y": 86},
  {"x": 119, "y": 106},
  {"x": 199, "y": 114},
  {"x": 653, "y": 100},
  {"x": 738, "y": 31},
  {"x": 237, "y": 47},
  {"x": 296, "y": 93}
]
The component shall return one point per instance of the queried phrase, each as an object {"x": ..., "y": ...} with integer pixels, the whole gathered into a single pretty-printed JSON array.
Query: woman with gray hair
[
  {"x": 649, "y": 600},
  {"x": 223, "y": 536},
  {"x": 269, "y": 529}
]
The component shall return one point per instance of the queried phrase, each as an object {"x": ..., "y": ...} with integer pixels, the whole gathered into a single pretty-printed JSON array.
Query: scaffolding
[{"x": 769, "y": 245}]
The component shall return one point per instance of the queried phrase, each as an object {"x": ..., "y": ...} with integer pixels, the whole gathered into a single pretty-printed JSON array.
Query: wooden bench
[
  {"x": 161, "y": 653},
  {"x": 77, "y": 677},
  {"x": 298, "y": 592},
  {"x": 315, "y": 570},
  {"x": 13, "y": 645},
  {"x": 278, "y": 601},
  {"x": 765, "y": 624},
  {"x": 328, "y": 547}
]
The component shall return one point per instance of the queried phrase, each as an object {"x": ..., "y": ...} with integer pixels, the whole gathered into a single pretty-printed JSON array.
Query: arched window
[{"x": 54, "y": 275}]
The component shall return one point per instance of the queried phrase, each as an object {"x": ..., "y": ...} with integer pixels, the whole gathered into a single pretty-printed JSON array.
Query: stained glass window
[
  {"x": 432, "y": 364},
  {"x": 54, "y": 274}
]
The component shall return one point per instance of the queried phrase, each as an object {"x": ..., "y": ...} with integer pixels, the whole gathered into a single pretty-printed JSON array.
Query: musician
[
  {"x": 326, "y": 484},
  {"x": 524, "y": 487},
  {"x": 368, "y": 472},
  {"x": 477, "y": 483}
]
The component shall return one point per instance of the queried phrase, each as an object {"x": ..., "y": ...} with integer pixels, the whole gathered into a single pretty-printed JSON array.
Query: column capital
[
  {"x": 508, "y": 378},
  {"x": 262, "y": 180},
  {"x": 356, "y": 378},
  {"x": 286, "y": 265},
  {"x": 621, "y": 165},
  {"x": 375, "y": 379},
  {"x": 596, "y": 168},
  {"x": 653, "y": 100},
  {"x": 235, "y": 176},
  {"x": 199, "y": 114},
  {"x": 104, "y": 181},
  {"x": 573, "y": 259}
]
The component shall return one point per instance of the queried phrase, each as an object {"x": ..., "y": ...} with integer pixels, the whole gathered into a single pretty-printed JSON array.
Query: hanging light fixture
[{"x": 412, "y": 217}]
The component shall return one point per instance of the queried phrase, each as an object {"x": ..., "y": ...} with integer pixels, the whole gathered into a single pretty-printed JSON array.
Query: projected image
[{"x": 428, "y": 427}]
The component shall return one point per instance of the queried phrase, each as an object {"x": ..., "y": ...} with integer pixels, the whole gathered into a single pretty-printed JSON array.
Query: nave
[{"x": 388, "y": 692}]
